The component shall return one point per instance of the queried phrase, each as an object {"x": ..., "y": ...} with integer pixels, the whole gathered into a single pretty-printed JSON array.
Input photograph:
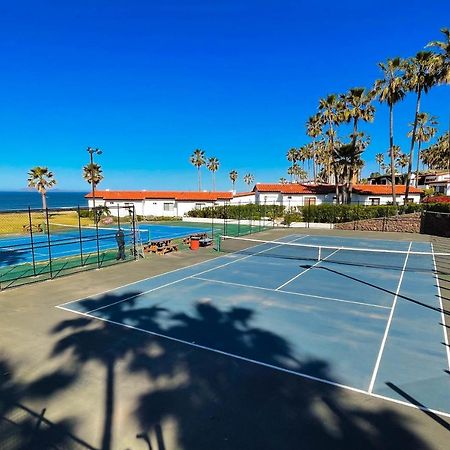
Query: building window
[
  {"x": 374, "y": 201},
  {"x": 168, "y": 207},
  {"x": 310, "y": 201},
  {"x": 199, "y": 205},
  {"x": 410, "y": 200}
]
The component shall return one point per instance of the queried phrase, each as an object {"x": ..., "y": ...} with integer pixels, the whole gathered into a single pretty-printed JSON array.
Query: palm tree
[
  {"x": 197, "y": 159},
  {"x": 292, "y": 156},
  {"x": 379, "y": 159},
  {"x": 93, "y": 174},
  {"x": 424, "y": 132},
  {"x": 249, "y": 179},
  {"x": 314, "y": 130},
  {"x": 390, "y": 89},
  {"x": 419, "y": 77},
  {"x": 402, "y": 161},
  {"x": 442, "y": 62},
  {"x": 331, "y": 115},
  {"x": 437, "y": 156},
  {"x": 213, "y": 166},
  {"x": 283, "y": 180},
  {"x": 41, "y": 179},
  {"x": 233, "y": 177},
  {"x": 357, "y": 105}
]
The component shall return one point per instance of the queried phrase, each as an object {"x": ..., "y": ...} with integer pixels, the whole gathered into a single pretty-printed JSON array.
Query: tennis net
[
  {"x": 60, "y": 231},
  {"x": 311, "y": 254}
]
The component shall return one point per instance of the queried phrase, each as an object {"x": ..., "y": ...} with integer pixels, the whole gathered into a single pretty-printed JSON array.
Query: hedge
[{"x": 239, "y": 212}]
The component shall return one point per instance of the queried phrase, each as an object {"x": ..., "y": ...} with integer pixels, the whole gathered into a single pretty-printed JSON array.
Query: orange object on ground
[{"x": 195, "y": 243}]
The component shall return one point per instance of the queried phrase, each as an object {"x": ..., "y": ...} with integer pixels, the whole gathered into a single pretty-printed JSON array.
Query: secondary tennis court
[
  {"x": 368, "y": 310},
  {"x": 66, "y": 241}
]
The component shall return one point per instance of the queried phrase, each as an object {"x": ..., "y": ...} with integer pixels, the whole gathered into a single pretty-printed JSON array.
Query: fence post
[
  {"x": 133, "y": 230},
  {"x": 31, "y": 240},
  {"x": 80, "y": 236},
  {"x": 239, "y": 219},
  {"x": 47, "y": 225}
]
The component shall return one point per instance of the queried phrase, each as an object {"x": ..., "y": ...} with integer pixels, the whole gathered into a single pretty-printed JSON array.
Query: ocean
[{"x": 25, "y": 199}]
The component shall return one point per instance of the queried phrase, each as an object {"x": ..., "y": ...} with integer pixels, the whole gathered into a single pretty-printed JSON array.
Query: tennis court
[
  {"x": 66, "y": 241},
  {"x": 370, "y": 309}
]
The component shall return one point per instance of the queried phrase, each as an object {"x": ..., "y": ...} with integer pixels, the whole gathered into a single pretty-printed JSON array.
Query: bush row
[
  {"x": 239, "y": 212},
  {"x": 324, "y": 213}
]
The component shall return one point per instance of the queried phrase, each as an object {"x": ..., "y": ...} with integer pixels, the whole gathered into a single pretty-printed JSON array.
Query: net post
[
  {"x": 319, "y": 258},
  {"x": 30, "y": 222},
  {"x": 97, "y": 238},
  {"x": 80, "y": 235},
  {"x": 218, "y": 243}
]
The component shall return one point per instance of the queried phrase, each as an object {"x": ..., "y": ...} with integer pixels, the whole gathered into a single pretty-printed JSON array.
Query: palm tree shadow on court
[
  {"x": 213, "y": 400},
  {"x": 25, "y": 428}
]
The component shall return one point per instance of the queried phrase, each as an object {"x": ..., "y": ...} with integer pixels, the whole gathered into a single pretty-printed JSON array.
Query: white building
[
  {"x": 439, "y": 181},
  {"x": 293, "y": 195},
  {"x": 158, "y": 203},
  {"x": 179, "y": 203}
]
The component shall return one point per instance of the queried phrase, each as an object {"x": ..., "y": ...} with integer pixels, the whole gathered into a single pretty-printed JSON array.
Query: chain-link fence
[
  {"x": 241, "y": 218},
  {"x": 38, "y": 244}
]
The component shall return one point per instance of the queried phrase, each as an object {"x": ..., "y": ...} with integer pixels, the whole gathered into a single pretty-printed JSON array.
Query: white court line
[
  {"x": 334, "y": 299},
  {"x": 442, "y": 309},
  {"x": 186, "y": 278},
  {"x": 306, "y": 270},
  {"x": 388, "y": 325},
  {"x": 149, "y": 278},
  {"x": 260, "y": 363}
]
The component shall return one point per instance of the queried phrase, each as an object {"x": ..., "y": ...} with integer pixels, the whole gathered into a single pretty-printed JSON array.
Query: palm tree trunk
[
  {"x": 417, "y": 165},
  {"x": 314, "y": 162},
  {"x": 199, "y": 179},
  {"x": 214, "y": 180},
  {"x": 44, "y": 200},
  {"x": 411, "y": 151},
  {"x": 352, "y": 163},
  {"x": 391, "y": 150}
]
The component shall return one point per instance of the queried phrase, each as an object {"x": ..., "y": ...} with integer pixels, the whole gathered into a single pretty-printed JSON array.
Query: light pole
[{"x": 91, "y": 152}]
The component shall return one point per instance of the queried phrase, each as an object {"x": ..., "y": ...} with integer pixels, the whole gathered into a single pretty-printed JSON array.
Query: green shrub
[{"x": 239, "y": 212}]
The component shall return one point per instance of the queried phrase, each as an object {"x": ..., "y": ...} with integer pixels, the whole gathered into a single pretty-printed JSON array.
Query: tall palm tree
[
  {"x": 357, "y": 105},
  {"x": 330, "y": 110},
  {"x": 213, "y": 167},
  {"x": 419, "y": 77},
  {"x": 292, "y": 156},
  {"x": 442, "y": 63},
  {"x": 425, "y": 131},
  {"x": 42, "y": 179},
  {"x": 379, "y": 159},
  {"x": 93, "y": 174},
  {"x": 233, "y": 177},
  {"x": 198, "y": 160},
  {"x": 390, "y": 89},
  {"x": 249, "y": 179},
  {"x": 437, "y": 156},
  {"x": 314, "y": 130}
]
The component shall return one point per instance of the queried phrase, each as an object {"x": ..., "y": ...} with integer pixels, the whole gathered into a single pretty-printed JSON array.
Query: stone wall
[{"x": 406, "y": 223}]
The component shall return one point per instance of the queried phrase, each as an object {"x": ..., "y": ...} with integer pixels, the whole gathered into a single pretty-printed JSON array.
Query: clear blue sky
[{"x": 148, "y": 82}]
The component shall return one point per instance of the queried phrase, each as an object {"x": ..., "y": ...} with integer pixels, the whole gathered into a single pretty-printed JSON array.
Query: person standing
[{"x": 120, "y": 239}]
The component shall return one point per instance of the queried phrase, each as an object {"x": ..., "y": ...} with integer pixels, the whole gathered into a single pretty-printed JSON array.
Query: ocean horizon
[{"x": 10, "y": 200}]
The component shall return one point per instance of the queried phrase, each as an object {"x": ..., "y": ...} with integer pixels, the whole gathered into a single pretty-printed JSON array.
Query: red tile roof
[
  {"x": 243, "y": 194},
  {"x": 172, "y": 195},
  {"x": 363, "y": 189}
]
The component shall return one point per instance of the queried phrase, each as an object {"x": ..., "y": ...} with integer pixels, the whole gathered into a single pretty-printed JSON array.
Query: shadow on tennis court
[
  {"x": 410, "y": 299},
  {"x": 216, "y": 402},
  {"x": 21, "y": 427}
]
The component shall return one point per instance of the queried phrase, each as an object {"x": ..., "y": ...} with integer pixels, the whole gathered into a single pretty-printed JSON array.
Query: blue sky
[{"x": 148, "y": 82}]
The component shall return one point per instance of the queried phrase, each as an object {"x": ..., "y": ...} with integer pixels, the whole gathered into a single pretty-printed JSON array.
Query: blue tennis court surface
[
  {"x": 375, "y": 320},
  {"x": 67, "y": 243}
]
